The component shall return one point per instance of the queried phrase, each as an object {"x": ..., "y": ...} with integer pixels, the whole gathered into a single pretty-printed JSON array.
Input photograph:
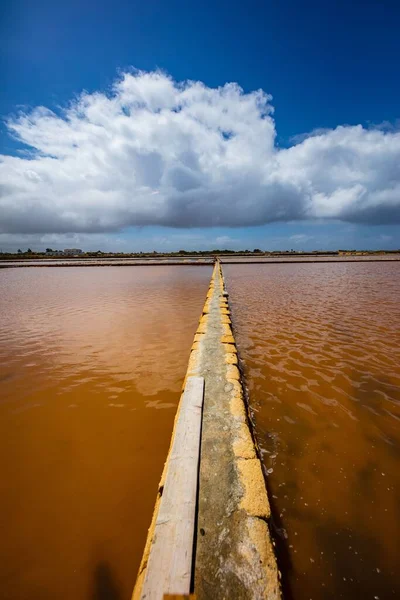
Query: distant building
[
  {"x": 51, "y": 252},
  {"x": 72, "y": 251}
]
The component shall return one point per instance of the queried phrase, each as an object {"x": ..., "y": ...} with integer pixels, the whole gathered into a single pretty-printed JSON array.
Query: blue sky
[{"x": 325, "y": 65}]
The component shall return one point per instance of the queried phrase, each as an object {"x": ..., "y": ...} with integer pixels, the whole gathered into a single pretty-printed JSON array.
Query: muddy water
[
  {"x": 91, "y": 364},
  {"x": 321, "y": 346}
]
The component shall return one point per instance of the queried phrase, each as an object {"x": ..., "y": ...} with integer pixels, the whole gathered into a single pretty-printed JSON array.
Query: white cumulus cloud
[{"x": 152, "y": 151}]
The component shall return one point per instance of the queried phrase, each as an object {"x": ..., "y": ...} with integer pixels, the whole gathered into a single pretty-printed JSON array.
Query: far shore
[{"x": 24, "y": 260}]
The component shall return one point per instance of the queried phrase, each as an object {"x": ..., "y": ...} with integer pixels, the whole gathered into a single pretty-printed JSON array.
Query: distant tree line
[{"x": 214, "y": 252}]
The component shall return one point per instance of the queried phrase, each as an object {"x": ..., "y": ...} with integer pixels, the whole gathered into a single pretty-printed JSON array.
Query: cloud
[
  {"x": 10, "y": 242},
  {"x": 300, "y": 238},
  {"x": 152, "y": 151}
]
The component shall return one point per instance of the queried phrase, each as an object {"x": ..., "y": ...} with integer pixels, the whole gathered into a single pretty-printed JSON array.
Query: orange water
[
  {"x": 91, "y": 365},
  {"x": 321, "y": 351}
]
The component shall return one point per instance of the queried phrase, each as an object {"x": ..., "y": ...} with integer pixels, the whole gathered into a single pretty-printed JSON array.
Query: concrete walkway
[
  {"x": 234, "y": 556},
  {"x": 234, "y": 553}
]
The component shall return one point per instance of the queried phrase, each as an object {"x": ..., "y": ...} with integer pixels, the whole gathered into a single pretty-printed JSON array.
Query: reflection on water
[
  {"x": 321, "y": 348},
  {"x": 91, "y": 364}
]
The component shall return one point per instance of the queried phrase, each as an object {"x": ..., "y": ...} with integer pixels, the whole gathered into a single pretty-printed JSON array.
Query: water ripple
[{"x": 321, "y": 350}]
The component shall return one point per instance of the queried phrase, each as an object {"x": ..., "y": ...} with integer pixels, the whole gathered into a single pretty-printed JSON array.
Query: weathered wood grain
[{"x": 170, "y": 561}]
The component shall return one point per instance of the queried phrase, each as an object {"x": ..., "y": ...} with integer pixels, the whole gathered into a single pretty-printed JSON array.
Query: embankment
[{"x": 233, "y": 556}]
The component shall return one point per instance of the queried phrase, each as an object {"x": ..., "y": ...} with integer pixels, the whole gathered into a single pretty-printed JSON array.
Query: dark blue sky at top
[{"x": 325, "y": 63}]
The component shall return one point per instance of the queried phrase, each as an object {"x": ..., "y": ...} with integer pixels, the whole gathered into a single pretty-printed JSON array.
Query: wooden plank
[{"x": 170, "y": 561}]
